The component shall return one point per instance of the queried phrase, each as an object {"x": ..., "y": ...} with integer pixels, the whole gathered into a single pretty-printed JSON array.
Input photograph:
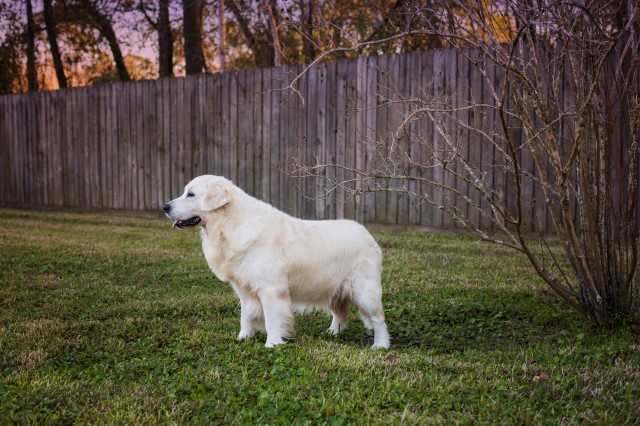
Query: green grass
[{"x": 114, "y": 319}]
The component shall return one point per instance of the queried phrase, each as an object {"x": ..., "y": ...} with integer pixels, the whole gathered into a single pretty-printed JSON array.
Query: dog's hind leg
[
  {"x": 367, "y": 297},
  {"x": 340, "y": 310}
]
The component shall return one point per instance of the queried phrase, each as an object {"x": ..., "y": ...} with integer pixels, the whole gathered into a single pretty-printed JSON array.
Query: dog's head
[{"x": 202, "y": 195}]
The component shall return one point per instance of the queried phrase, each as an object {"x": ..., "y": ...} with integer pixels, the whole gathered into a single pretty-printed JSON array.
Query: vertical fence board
[
  {"x": 370, "y": 133},
  {"x": 340, "y": 131},
  {"x": 255, "y": 171},
  {"x": 311, "y": 151},
  {"x": 274, "y": 141},
  {"x": 321, "y": 138},
  {"x": 233, "y": 126},
  {"x": 245, "y": 115},
  {"x": 266, "y": 133},
  {"x": 425, "y": 91},
  {"x": 178, "y": 100},
  {"x": 299, "y": 145},
  {"x": 358, "y": 134},
  {"x": 215, "y": 119},
  {"x": 351, "y": 117},
  {"x": 414, "y": 68},
  {"x": 381, "y": 124}
]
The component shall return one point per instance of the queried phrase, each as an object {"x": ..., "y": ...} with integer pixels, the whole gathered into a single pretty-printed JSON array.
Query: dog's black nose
[{"x": 167, "y": 207}]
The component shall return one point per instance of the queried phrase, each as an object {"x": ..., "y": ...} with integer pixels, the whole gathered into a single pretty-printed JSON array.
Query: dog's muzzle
[{"x": 181, "y": 223}]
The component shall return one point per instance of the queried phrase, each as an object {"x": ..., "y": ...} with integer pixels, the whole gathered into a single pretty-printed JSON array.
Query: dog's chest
[{"x": 217, "y": 254}]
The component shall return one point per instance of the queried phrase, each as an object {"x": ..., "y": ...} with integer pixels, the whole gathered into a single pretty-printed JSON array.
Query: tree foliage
[{"x": 73, "y": 35}]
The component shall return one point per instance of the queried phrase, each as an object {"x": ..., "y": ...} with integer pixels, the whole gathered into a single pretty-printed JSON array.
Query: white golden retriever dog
[{"x": 275, "y": 262}]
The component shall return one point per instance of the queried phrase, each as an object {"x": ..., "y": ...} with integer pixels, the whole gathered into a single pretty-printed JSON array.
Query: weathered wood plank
[
  {"x": 244, "y": 120},
  {"x": 226, "y": 124},
  {"x": 278, "y": 136},
  {"x": 412, "y": 86},
  {"x": 340, "y": 134},
  {"x": 498, "y": 161},
  {"x": 189, "y": 90},
  {"x": 233, "y": 127},
  {"x": 311, "y": 133},
  {"x": 298, "y": 145},
  {"x": 395, "y": 117},
  {"x": 265, "y": 137},
  {"x": 461, "y": 142},
  {"x": 124, "y": 146},
  {"x": 152, "y": 148},
  {"x": 488, "y": 149},
  {"x": 93, "y": 107},
  {"x": 380, "y": 138},
  {"x": 137, "y": 135},
  {"x": 200, "y": 128},
  {"x": 474, "y": 141},
  {"x": 215, "y": 99},
  {"x": 451, "y": 76},
  {"x": 255, "y": 174},
  {"x": 359, "y": 131},
  {"x": 350, "y": 142},
  {"x": 69, "y": 147},
  {"x": 321, "y": 138},
  {"x": 402, "y": 132},
  {"x": 370, "y": 134},
  {"x": 166, "y": 165}
]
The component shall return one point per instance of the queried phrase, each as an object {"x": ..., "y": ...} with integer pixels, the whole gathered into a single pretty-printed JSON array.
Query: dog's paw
[
  {"x": 335, "y": 329},
  {"x": 245, "y": 335},
  {"x": 381, "y": 345},
  {"x": 274, "y": 342}
]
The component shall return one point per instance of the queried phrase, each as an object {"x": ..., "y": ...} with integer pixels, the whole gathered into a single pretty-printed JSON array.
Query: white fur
[{"x": 275, "y": 262}]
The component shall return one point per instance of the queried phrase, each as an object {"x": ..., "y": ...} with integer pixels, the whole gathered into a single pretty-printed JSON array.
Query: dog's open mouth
[{"x": 186, "y": 223}]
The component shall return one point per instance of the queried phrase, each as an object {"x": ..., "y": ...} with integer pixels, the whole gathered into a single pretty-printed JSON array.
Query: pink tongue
[{"x": 175, "y": 223}]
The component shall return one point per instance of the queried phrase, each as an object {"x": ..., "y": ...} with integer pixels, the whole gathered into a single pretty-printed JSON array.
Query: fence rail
[{"x": 134, "y": 145}]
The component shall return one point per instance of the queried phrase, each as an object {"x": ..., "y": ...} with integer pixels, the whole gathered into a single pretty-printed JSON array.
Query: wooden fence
[{"x": 134, "y": 145}]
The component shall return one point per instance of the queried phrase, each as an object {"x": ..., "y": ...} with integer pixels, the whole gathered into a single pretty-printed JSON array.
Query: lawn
[{"x": 117, "y": 319}]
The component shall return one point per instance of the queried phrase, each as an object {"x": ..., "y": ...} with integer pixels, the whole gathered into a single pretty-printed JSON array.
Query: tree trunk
[
  {"x": 272, "y": 8},
  {"x": 31, "y": 50},
  {"x": 53, "y": 43},
  {"x": 165, "y": 40},
  {"x": 262, "y": 49},
  {"x": 193, "y": 54},
  {"x": 106, "y": 29},
  {"x": 309, "y": 47}
]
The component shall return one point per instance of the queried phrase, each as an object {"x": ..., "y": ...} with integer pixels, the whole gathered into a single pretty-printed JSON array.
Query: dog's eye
[{"x": 190, "y": 194}]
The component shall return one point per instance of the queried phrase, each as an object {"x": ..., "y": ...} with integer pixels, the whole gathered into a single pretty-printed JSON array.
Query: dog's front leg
[
  {"x": 251, "y": 315},
  {"x": 278, "y": 314}
]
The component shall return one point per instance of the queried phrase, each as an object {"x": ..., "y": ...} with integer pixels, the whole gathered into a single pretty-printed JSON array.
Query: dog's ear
[{"x": 217, "y": 195}]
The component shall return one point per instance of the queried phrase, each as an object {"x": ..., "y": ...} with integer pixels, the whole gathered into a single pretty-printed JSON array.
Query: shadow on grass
[{"x": 461, "y": 320}]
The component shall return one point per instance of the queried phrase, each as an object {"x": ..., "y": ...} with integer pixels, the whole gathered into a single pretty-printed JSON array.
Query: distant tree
[
  {"x": 165, "y": 40},
  {"x": 162, "y": 26},
  {"x": 255, "y": 28},
  {"x": 307, "y": 8},
  {"x": 104, "y": 25},
  {"x": 31, "y": 56},
  {"x": 52, "y": 36},
  {"x": 222, "y": 35},
  {"x": 192, "y": 28},
  {"x": 12, "y": 48}
]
